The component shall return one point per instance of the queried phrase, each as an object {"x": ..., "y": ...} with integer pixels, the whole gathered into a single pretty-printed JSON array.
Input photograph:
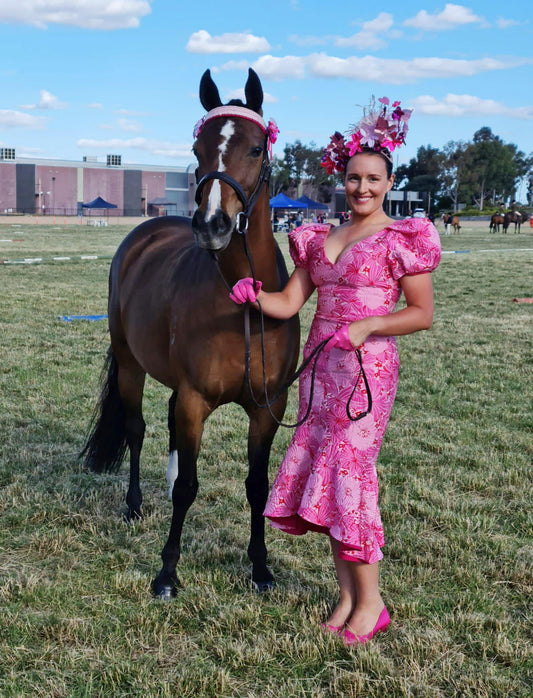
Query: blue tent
[
  {"x": 282, "y": 201},
  {"x": 309, "y": 203},
  {"x": 99, "y": 203}
]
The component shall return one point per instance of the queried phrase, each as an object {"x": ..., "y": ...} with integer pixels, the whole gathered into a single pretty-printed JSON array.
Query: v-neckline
[{"x": 348, "y": 247}]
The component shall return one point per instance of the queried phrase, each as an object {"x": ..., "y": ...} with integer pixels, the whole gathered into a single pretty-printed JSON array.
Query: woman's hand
[
  {"x": 245, "y": 291},
  {"x": 351, "y": 336},
  {"x": 341, "y": 339}
]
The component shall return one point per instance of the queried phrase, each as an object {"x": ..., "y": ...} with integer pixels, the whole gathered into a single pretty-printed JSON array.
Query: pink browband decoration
[{"x": 243, "y": 113}]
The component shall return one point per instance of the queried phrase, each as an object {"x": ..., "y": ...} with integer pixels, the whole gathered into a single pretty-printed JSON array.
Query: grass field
[{"x": 77, "y": 618}]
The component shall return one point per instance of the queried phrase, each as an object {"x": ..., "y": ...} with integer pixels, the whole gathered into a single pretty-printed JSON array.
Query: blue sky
[{"x": 91, "y": 77}]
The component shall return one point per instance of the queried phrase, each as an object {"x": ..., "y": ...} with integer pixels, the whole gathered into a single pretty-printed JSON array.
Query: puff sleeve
[
  {"x": 299, "y": 241},
  {"x": 416, "y": 248}
]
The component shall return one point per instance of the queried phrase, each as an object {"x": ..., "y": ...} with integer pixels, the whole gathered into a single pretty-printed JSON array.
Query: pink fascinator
[{"x": 383, "y": 129}]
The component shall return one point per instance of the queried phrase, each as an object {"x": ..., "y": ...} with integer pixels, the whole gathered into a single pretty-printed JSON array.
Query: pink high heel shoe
[{"x": 350, "y": 638}]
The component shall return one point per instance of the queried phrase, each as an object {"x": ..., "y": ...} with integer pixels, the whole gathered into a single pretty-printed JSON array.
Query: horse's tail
[{"x": 106, "y": 443}]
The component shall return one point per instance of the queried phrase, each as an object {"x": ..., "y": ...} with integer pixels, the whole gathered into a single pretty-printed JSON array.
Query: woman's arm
[
  {"x": 286, "y": 303},
  {"x": 418, "y": 315}
]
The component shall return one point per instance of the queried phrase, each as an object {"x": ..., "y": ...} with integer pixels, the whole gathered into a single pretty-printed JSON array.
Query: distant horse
[
  {"x": 456, "y": 224},
  {"x": 495, "y": 221},
  {"x": 170, "y": 316},
  {"x": 514, "y": 217},
  {"x": 446, "y": 219}
]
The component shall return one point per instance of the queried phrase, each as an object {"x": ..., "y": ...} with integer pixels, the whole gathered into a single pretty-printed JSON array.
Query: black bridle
[
  {"x": 248, "y": 202},
  {"x": 241, "y": 226}
]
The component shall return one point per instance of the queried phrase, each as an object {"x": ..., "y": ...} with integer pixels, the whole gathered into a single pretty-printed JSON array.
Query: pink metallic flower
[
  {"x": 198, "y": 127},
  {"x": 381, "y": 129},
  {"x": 272, "y": 130}
]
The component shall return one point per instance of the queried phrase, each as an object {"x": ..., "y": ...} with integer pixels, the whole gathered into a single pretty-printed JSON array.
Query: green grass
[{"x": 455, "y": 474}]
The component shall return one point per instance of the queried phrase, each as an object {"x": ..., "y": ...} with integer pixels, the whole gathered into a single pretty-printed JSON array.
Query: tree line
[{"x": 480, "y": 173}]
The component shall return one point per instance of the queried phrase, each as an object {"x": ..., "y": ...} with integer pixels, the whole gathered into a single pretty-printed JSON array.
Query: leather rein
[{"x": 241, "y": 226}]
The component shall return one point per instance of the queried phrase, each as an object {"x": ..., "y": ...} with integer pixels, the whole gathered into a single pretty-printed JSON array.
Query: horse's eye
[{"x": 256, "y": 152}]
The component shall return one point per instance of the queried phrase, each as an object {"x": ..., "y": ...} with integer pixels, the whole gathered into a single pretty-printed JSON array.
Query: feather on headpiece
[{"x": 382, "y": 129}]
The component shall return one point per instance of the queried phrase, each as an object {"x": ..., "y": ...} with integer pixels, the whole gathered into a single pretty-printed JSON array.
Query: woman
[{"x": 327, "y": 481}]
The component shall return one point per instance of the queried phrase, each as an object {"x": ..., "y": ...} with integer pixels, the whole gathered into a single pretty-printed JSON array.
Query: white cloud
[
  {"x": 47, "y": 101},
  {"x": 239, "y": 94},
  {"x": 271, "y": 67},
  {"x": 128, "y": 125},
  {"x": 502, "y": 23},
  {"x": 371, "y": 34},
  {"x": 155, "y": 147},
  {"x": 231, "y": 65},
  {"x": 467, "y": 105},
  {"x": 274, "y": 68},
  {"x": 451, "y": 17},
  {"x": 202, "y": 42},
  {"x": 394, "y": 71},
  {"x": 16, "y": 119},
  {"x": 95, "y": 105},
  {"x": 399, "y": 71},
  {"x": 88, "y": 14}
]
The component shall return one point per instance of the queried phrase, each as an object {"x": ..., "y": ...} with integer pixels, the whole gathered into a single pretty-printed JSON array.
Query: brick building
[{"x": 61, "y": 187}]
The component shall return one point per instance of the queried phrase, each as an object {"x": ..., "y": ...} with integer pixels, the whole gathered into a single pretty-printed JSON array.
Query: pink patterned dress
[{"x": 327, "y": 481}]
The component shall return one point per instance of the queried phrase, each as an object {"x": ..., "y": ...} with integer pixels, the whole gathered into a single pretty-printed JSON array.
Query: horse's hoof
[
  {"x": 263, "y": 587},
  {"x": 164, "y": 592},
  {"x": 132, "y": 515}
]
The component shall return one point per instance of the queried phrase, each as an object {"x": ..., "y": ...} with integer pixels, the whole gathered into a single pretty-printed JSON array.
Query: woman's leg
[
  {"x": 360, "y": 601},
  {"x": 348, "y": 594},
  {"x": 369, "y": 601}
]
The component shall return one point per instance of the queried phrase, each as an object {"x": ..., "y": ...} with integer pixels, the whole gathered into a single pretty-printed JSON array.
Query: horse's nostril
[{"x": 221, "y": 223}]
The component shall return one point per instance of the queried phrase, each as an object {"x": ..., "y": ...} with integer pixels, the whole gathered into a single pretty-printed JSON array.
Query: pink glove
[
  {"x": 244, "y": 291},
  {"x": 340, "y": 339}
]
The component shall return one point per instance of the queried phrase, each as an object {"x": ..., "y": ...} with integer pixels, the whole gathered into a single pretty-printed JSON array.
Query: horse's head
[{"x": 232, "y": 150}]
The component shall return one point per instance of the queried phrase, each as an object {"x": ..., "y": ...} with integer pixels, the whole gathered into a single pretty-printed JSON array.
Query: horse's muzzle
[{"x": 213, "y": 234}]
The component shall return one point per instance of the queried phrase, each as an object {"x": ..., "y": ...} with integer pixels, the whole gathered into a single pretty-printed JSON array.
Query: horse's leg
[
  {"x": 190, "y": 414},
  {"x": 261, "y": 433},
  {"x": 131, "y": 384}
]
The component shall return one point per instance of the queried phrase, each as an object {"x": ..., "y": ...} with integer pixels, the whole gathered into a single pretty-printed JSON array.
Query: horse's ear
[
  {"x": 209, "y": 96},
  {"x": 253, "y": 92}
]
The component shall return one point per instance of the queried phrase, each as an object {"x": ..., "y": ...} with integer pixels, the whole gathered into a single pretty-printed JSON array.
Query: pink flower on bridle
[
  {"x": 381, "y": 129},
  {"x": 271, "y": 130}
]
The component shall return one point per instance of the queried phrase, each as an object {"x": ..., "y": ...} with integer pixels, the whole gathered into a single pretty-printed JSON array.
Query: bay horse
[
  {"x": 514, "y": 217},
  {"x": 495, "y": 221},
  {"x": 170, "y": 317}
]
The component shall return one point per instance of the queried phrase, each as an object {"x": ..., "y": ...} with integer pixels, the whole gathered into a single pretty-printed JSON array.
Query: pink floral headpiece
[
  {"x": 382, "y": 129},
  {"x": 271, "y": 129}
]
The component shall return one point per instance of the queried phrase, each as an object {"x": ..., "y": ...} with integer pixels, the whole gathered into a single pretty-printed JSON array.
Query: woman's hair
[{"x": 383, "y": 154}]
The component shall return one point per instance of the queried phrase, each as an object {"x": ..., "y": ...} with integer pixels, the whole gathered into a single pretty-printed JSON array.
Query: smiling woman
[{"x": 327, "y": 481}]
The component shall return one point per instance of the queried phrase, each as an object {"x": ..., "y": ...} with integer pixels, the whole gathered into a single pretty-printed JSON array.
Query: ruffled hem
[{"x": 296, "y": 525}]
